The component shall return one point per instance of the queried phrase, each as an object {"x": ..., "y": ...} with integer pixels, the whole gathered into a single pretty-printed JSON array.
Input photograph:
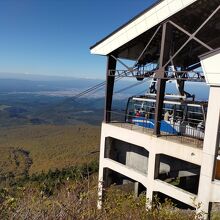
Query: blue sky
[{"x": 52, "y": 37}]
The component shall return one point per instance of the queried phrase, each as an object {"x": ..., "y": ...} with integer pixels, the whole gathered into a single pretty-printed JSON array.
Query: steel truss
[
  {"x": 194, "y": 76},
  {"x": 162, "y": 74}
]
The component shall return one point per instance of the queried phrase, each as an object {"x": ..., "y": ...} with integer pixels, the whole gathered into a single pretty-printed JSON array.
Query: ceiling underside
[{"x": 190, "y": 19}]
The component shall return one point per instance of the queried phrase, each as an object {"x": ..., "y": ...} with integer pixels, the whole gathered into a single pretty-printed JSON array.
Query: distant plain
[{"x": 43, "y": 126}]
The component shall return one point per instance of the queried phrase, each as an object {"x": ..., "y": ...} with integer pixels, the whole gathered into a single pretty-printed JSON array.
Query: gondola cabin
[{"x": 180, "y": 117}]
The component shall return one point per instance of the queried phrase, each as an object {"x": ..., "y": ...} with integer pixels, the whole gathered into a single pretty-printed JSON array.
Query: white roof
[{"x": 150, "y": 18}]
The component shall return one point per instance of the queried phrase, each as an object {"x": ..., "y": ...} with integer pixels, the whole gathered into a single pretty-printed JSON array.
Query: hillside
[
  {"x": 32, "y": 109},
  {"x": 49, "y": 149},
  {"x": 77, "y": 199},
  {"x": 29, "y": 149}
]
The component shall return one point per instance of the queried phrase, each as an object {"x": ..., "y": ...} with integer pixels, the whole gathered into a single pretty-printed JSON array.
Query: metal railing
[{"x": 185, "y": 132}]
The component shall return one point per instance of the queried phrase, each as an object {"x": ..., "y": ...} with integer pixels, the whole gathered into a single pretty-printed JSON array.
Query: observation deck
[
  {"x": 178, "y": 157},
  {"x": 136, "y": 152},
  {"x": 179, "y": 139}
]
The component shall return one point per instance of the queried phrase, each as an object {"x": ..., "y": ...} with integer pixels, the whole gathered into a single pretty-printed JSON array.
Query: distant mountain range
[
  {"x": 34, "y": 77},
  {"x": 69, "y": 86},
  {"x": 21, "y": 85},
  {"x": 57, "y": 85}
]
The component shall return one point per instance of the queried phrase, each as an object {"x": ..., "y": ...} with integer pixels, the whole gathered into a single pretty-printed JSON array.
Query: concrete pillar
[
  {"x": 100, "y": 190},
  {"x": 153, "y": 172},
  {"x": 101, "y": 172},
  {"x": 209, "y": 149},
  {"x": 136, "y": 189}
]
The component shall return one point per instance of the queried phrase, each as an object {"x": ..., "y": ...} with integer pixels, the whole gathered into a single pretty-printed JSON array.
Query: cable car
[{"x": 180, "y": 117}]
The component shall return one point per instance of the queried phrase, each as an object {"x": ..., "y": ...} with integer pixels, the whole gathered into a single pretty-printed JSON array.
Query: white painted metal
[
  {"x": 166, "y": 95},
  {"x": 166, "y": 102},
  {"x": 141, "y": 24}
]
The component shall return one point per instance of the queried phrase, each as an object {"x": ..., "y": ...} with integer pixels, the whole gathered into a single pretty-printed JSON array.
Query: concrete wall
[
  {"x": 210, "y": 65},
  {"x": 128, "y": 154},
  {"x": 209, "y": 190},
  {"x": 177, "y": 167},
  {"x": 155, "y": 146}
]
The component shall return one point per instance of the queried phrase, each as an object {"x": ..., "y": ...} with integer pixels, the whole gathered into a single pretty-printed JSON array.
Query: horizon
[
  {"x": 10, "y": 75},
  {"x": 70, "y": 86}
]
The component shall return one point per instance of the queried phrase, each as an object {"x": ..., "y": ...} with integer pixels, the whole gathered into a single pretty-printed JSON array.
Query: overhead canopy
[{"x": 129, "y": 40}]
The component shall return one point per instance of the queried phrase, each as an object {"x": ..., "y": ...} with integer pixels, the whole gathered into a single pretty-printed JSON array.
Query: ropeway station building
[{"x": 165, "y": 144}]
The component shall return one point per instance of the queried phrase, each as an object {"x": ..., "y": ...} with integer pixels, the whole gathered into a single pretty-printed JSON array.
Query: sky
[{"x": 53, "y": 37}]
